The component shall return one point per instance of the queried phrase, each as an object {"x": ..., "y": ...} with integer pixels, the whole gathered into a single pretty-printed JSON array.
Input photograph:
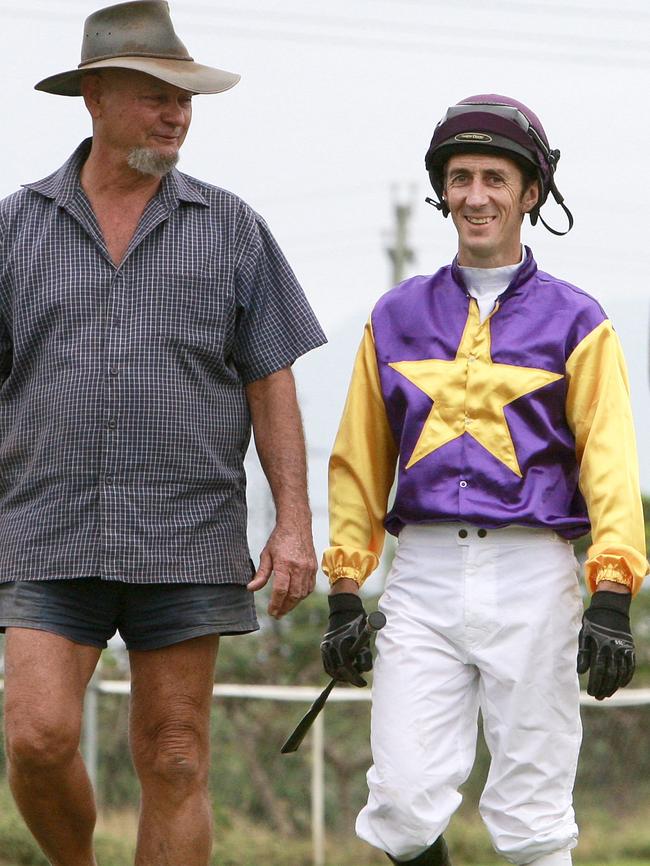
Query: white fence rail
[{"x": 300, "y": 694}]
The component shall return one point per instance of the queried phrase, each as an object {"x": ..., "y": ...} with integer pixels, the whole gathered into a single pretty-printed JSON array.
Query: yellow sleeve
[
  {"x": 600, "y": 416},
  {"x": 361, "y": 472}
]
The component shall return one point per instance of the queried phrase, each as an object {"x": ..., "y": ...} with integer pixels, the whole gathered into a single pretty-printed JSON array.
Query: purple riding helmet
[{"x": 490, "y": 123}]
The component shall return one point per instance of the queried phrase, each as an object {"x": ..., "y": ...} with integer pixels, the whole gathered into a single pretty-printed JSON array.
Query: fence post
[
  {"x": 318, "y": 791},
  {"x": 90, "y": 729}
]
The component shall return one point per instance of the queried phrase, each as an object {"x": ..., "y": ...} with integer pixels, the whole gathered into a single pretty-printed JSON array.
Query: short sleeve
[{"x": 275, "y": 323}]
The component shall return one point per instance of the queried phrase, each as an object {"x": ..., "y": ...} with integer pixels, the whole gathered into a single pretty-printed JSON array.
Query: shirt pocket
[{"x": 191, "y": 310}]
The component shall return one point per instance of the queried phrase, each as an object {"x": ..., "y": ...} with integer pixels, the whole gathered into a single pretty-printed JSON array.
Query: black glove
[
  {"x": 346, "y": 622},
  {"x": 605, "y": 645}
]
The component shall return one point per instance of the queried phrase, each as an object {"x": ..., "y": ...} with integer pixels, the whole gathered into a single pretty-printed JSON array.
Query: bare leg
[
  {"x": 45, "y": 680},
  {"x": 171, "y": 696}
]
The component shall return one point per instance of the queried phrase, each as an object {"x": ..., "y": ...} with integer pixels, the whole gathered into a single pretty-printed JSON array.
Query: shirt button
[
  {"x": 462, "y": 533},
  {"x": 463, "y": 483},
  {"x": 471, "y": 358},
  {"x": 113, "y": 371},
  {"x": 112, "y": 423},
  {"x": 108, "y": 479},
  {"x": 482, "y": 533}
]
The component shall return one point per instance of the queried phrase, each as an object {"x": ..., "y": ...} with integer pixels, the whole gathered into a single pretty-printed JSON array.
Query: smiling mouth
[{"x": 479, "y": 221}]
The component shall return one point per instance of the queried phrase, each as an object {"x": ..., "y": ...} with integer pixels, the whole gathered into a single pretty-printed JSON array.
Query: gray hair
[{"x": 147, "y": 161}]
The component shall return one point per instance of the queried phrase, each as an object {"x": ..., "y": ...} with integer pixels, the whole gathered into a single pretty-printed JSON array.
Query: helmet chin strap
[{"x": 560, "y": 200}]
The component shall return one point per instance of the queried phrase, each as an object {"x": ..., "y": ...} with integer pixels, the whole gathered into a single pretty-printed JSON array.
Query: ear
[
  {"x": 91, "y": 90},
  {"x": 530, "y": 197}
]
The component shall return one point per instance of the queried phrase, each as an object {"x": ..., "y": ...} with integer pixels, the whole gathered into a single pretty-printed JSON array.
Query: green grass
[
  {"x": 490, "y": 863},
  {"x": 606, "y": 840}
]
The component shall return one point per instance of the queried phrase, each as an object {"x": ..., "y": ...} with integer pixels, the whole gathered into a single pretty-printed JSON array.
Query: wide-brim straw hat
[{"x": 139, "y": 36}]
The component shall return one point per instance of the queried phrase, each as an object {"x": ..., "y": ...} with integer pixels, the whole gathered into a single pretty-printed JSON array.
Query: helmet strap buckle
[{"x": 442, "y": 206}]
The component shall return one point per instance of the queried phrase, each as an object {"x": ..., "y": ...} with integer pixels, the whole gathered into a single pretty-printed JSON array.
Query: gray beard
[{"x": 147, "y": 161}]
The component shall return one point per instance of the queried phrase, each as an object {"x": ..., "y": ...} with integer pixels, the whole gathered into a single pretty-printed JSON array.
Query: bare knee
[
  {"x": 173, "y": 754},
  {"x": 36, "y": 744},
  {"x": 177, "y": 756}
]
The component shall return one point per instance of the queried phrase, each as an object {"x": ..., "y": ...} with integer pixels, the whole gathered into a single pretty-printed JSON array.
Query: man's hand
[
  {"x": 290, "y": 557},
  {"x": 605, "y": 645},
  {"x": 346, "y": 622}
]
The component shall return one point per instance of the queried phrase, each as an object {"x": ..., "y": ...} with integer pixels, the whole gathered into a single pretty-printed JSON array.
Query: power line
[
  {"x": 29, "y": 13},
  {"x": 528, "y": 7},
  {"x": 537, "y": 52},
  {"x": 392, "y": 26},
  {"x": 520, "y": 7},
  {"x": 376, "y": 38},
  {"x": 542, "y": 46}
]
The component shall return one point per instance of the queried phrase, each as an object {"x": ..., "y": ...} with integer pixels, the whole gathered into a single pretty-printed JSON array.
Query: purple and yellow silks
[{"x": 524, "y": 419}]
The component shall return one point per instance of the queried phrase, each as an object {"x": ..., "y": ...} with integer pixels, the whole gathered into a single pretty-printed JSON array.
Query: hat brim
[{"x": 186, "y": 74}]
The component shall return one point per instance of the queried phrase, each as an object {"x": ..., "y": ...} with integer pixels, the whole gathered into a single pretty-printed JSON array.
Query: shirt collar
[
  {"x": 177, "y": 187},
  {"x": 523, "y": 273},
  {"x": 63, "y": 184}
]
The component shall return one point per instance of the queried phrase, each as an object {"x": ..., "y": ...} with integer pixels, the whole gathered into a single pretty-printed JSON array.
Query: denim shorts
[{"x": 148, "y": 616}]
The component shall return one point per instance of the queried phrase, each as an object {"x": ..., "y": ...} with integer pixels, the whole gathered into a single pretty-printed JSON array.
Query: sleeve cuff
[
  {"x": 350, "y": 573},
  {"x": 622, "y": 564},
  {"x": 616, "y": 575},
  {"x": 340, "y": 562}
]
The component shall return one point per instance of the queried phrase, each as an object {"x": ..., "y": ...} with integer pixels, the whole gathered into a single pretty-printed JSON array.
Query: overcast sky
[{"x": 330, "y": 124}]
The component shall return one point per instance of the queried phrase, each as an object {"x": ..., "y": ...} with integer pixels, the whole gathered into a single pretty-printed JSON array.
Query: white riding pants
[{"x": 476, "y": 619}]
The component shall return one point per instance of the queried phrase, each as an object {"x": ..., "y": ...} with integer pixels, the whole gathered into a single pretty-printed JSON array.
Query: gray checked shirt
[{"x": 123, "y": 414}]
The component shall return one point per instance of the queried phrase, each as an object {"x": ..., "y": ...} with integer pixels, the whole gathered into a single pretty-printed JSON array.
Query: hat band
[{"x": 153, "y": 56}]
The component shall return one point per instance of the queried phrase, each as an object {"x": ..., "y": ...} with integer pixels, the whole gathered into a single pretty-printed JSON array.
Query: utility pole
[{"x": 399, "y": 251}]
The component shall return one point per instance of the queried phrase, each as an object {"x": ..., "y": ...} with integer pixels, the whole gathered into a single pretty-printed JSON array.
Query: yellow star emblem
[{"x": 470, "y": 393}]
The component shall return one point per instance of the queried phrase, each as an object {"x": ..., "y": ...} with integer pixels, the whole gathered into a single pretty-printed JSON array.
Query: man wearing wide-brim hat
[{"x": 147, "y": 320}]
